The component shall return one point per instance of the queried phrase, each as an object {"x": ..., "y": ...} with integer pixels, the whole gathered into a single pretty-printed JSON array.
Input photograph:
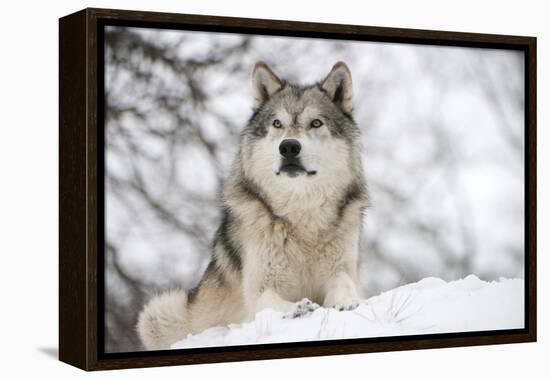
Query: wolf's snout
[{"x": 290, "y": 148}]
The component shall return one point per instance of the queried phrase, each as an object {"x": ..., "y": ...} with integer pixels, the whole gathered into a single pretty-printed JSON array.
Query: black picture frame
[{"x": 81, "y": 184}]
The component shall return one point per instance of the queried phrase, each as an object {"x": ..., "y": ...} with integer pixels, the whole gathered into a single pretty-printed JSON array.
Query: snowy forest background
[{"x": 443, "y": 148}]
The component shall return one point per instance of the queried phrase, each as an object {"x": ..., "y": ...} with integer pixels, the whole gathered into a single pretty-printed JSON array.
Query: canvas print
[{"x": 265, "y": 189}]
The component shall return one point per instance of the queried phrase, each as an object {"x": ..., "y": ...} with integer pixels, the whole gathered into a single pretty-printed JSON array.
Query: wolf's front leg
[
  {"x": 341, "y": 292},
  {"x": 271, "y": 299}
]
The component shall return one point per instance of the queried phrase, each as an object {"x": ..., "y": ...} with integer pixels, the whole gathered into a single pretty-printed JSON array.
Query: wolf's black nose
[{"x": 290, "y": 148}]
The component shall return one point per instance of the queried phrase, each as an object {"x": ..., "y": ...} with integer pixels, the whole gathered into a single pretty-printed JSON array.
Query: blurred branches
[{"x": 154, "y": 105}]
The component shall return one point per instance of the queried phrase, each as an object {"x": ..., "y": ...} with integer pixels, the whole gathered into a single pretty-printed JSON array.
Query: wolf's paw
[
  {"x": 345, "y": 307},
  {"x": 301, "y": 308}
]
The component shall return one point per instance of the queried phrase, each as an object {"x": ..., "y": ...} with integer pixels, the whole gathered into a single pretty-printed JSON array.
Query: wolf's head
[{"x": 301, "y": 138}]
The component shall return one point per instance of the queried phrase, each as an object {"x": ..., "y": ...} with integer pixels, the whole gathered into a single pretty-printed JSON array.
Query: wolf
[{"x": 292, "y": 210}]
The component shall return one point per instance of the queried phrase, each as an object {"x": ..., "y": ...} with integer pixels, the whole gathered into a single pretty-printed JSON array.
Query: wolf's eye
[
  {"x": 277, "y": 123},
  {"x": 316, "y": 123}
]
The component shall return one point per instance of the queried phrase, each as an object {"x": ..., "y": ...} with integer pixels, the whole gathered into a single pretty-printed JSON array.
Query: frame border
[{"x": 81, "y": 162}]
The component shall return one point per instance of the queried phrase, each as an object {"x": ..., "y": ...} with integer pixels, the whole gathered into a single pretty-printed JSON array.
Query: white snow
[{"x": 426, "y": 307}]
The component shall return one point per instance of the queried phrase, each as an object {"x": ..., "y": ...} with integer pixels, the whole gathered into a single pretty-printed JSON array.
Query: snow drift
[{"x": 428, "y": 306}]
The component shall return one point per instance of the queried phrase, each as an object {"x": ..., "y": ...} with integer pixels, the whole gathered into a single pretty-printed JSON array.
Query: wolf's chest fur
[{"x": 295, "y": 253}]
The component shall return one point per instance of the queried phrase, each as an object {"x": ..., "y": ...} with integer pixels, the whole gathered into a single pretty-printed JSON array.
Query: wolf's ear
[
  {"x": 264, "y": 83},
  {"x": 338, "y": 86}
]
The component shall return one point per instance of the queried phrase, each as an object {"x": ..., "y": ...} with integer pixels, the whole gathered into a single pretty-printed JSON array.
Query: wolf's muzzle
[{"x": 291, "y": 163}]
